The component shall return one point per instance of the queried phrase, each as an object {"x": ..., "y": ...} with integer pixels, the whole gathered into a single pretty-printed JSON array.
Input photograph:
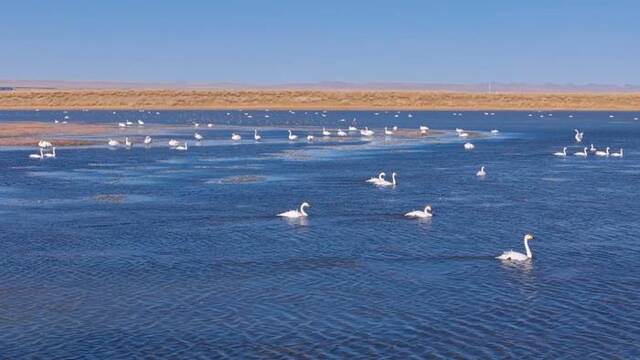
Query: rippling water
[{"x": 113, "y": 253}]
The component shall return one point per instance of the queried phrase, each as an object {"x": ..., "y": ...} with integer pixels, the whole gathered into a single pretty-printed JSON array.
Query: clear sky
[{"x": 271, "y": 41}]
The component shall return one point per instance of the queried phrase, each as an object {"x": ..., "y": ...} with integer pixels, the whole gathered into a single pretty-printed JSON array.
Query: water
[{"x": 114, "y": 253}]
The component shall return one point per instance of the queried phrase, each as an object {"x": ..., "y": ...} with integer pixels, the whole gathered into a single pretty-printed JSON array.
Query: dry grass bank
[{"x": 311, "y": 99}]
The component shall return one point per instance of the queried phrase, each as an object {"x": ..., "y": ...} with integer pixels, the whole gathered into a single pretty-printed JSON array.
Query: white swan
[
  {"x": 341, "y": 133},
  {"x": 112, "y": 142},
  {"x": 603, "y": 153},
  {"x": 256, "y": 137},
  {"x": 292, "y": 137},
  {"x": 122, "y": 125},
  {"x": 52, "y": 154},
  {"x": 516, "y": 256},
  {"x": 173, "y": 143},
  {"x": 582, "y": 153},
  {"x": 481, "y": 172},
  {"x": 463, "y": 134},
  {"x": 37, "y": 156},
  {"x": 419, "y": 214},
  {"x": 209, "y": 125},
  {"x": 469, "y": 146},
  {"x": 44, "y": 144},
  {"x": 593, "y": 148},
  {"x": 236, "y": 137},
  {"x": 387, "y": 132},
  {"x": 147, "y": 140},
  {"x": 129, "y": 123},
  {"x": 127, "y": 142},
  {"x": 325, "y": 132},
  {"x": 197, "y": 136},
  {"x": 310, "y": 137},
  {"x": 395, "y": 128},
  {"x": 579, "y": 135},
  {"x": 459, "y": 130},
  {"x": 294, "y": 214},
  {"x": 140, "y": 122},
  {"x": 377, "y": 180},
  {"x": 495, "y": 131},
  {"x": 184, "y": 147},
  {"x": 388, "y": 183},
  {"x": 366, "y": 132},
  {"x": 618, "y": 154},
  {"x": 562, "y": 153},
  {"x": 424, "y": 128},
  {"x": 353, "y": 128}
]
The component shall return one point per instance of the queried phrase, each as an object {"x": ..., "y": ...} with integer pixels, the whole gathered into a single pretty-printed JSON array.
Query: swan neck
[
  {"x": 393, "y": 178},
  {"x": 526, "y": 247},
  {"x": 302, "y": 209}
]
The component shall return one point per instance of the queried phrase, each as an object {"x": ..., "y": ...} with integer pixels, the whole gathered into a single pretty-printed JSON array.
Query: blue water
[{"x": 132, "y": 253}]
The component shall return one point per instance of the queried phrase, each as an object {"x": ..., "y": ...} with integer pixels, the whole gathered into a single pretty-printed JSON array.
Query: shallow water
[{"x": 113, "y": 253}]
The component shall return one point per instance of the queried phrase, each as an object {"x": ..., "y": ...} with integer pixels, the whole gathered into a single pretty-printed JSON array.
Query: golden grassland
[{"x": 312, "y": 99}]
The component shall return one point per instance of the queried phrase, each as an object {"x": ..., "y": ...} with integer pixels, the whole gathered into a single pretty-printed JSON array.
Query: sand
[{"x": 312, "y": 99}]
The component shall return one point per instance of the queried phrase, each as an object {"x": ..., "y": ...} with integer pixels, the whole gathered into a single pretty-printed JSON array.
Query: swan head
[
  {"x": 528, "y": 237},
  {"x": 428, "y": 209},
  {"x": 304, "y": 204},
  {"x": 382, "y": 174}
]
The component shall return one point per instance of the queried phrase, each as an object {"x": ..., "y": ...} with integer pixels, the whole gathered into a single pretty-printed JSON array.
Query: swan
[
  {"x": 292, "y": 137},
  {"x": 127, "y": 142},
  {"x": 129, "y": 123},
  {"x": 37, "y": 156},
  {"x": 147, "y": 140},
  {"x": 495, "y": 131},
  {"x": 184, "y": 147},
  {"x": 603, "y": 153},
  {"x": 562, "y": 153},
  {"x": 236, "y": 137},
  {"x": 459, "y": 131},
  {"x": 112, "y": 142},
  {"x": 481, "y": 172},
  {"x": 579, "y": 135},
  {"x": 140, "y": 122},
  {"x": 44, "y": 144},
  {"x": 196, "y": 125},
  {"x": 395, "y": 128},
  {"x": 325, "y": 132},
  {"x": 384, "y": 182},
  {"x": 294, "y": 214},
  {"x": 582, "y": 153},
  {"x": 173, "y": 143},
  {"x": 618, "y": 154},
  {"x": 378, "y": 179},
  {"x": 469, "y": 146},
  {"x": 419, "y": 214},
  {"x": 516, "y": 256},
  {"x": 197, "y": 136},
  {"x": 310, "y": 137},
  {"x": 209, "y": 125},
  {"x": 593, "y": 148},
  {"x": 341, "y": 133},
  {"x": 122, "y": 125},
  {"x": 463, "y": 134},
  {"x": 387, "y": 132},
  {"x": 353, "y": 128},
  {"x": 366, "y": 132},
  {"x": 424, "y": 128},
  {"x": 52, "y": 154}
]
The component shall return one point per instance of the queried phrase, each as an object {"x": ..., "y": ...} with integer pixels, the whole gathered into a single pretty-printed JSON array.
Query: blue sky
[{"x": 262, "y": 42}]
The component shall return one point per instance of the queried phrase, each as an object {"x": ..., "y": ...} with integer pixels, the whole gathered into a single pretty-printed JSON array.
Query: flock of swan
[{"x": 591, "y": 149}]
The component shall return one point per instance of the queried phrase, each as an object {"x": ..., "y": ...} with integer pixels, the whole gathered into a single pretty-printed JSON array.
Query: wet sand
[{"x": 311, "y": 99}]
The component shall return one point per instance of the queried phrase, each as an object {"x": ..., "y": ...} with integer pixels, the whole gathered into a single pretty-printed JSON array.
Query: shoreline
[{"x": 177, "y": 99}]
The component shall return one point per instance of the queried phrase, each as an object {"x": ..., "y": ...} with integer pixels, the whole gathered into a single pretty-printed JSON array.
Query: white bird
[
  {"x": 310, "y": 137},
  {"x": 378, "y": 179},
  {"x": 197, "y": 136},
  {"x": 236, "y": 137},
  {"x": 196, "y": 125},
  {"x": 112, "y": 142},
  {"x": 122, "y": 125},
  {"x": 129, "y": 123},
  {"x": 52, "y": 154},
  {"x": 140, "y": 122},
  {"x": 366, "y": 132},
  {"x": 341, "y": 133},
  {"x": 495, "y": 131},
  {"x": 579, "y": 135},
  {"x": 37, "y": 156},
  {"x": 458, "y": 130},
  {"x": 173, "y": 143},
  {"x": 387, "y": 132},
  {"x": 292, "y": 137},
  {"x": 481, "y": 172},
  {"x": 463, "y": 134},
  {"x": 184, "y": 147},
  {"x": 147, "y": 140},
  {"x": 353, "y": 128},
  {"x": 516, "y": 256},
  {"x": 562, "y": 153},
  {"x": 294, "y": 214},
  {"x": 419, "y": 214},
  {"x": 388, "y": 183},
  {"x": 469, "y": 146},
  {"x": 618, "y": 154},
  {"x": 395, "y": 128},
  {"x": 593, "y": 148},
  {"x": 209, "y": 125},
  {"x": 424, "y": 128},
  {"x": 582, "y": 153},
  {"x": 256, "y": 137},
  {"x": 603, "y": 153},
  {"x": 325, "y": 132},
  {"x": 44, "y": 144},
  {"x": 127, "y": 142}
]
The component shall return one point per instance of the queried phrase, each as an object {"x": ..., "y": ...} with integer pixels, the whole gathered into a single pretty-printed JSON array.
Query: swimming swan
[
  {"x": 516, "y": 256},
  {"x": 294, "y": 214},
  {"x": 618, "y": 154},
  {"x": 325, "y": 132},
  {"x": 387, "y": 132},
  {"x": 147, "y": 140},
  {"x": 341, "y": 133},
  {"x": 469, "y": 146},
  {"x": 593, "y": 148},
  {"x": 173, "y": 143},
  {"x": 481, "y": 172},
  {"x": 582, "y": 153},
  {"x": 378, "y": 179},
  {"x": 127, "y": 142},
  {"x": 292, "y": 137},
  {"x": 388, "y": 183},
  {"x": 603, "y": 153},
  {"x": 366, "y": 132},
  {"x": 419, "y": 214},
  {"x": 37, "y": 156},
  {"x": 562, "y": 153},
  {"x": 256, "y": 137},
  {"x": 197, "y": 136},
  {"x": 184, "y": 147},
  {"x": 52, "y": 154},
  {"x": 579, "y": 135},
  {"x": 236, "y": 137},
  {"x": 112, "y": 142}
]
